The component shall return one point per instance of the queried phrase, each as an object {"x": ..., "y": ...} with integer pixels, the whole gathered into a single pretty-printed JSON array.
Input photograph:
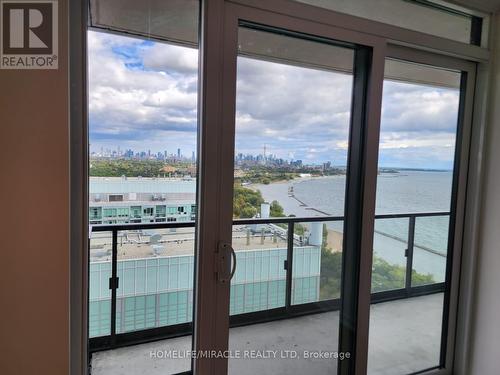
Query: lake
[{"x": 403, "y": 192}]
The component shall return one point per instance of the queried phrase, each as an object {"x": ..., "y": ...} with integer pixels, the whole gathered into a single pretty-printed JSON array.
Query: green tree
[
  {"x": 276, "y": 210},
  {"x": 246, "y": 202},
  {"x": 299, "y": 229},
  {"x": 385, "y": 276},
  {"x": 248, "y": 212},
  {"x": 331, "y": 269},
  {"x": 126, "y": 167}
]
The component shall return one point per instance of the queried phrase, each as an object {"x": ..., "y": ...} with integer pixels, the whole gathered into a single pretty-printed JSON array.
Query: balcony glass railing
[{"x": 141, "y": 275}]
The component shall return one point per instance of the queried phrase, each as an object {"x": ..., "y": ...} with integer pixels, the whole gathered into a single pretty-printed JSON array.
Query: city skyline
[{"x": 117, "y": 151}]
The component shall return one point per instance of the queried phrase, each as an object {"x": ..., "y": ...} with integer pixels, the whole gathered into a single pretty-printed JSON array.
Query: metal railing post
[
  {"x": 409, "y": 254},
  {"x": 113, "y": 283},
  {"x": 289, "y": 265}
]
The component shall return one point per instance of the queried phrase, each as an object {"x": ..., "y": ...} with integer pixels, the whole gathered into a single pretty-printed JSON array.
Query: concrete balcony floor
[{"x": 404, "y": 337}]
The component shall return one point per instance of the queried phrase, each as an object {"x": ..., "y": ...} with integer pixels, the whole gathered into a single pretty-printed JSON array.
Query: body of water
[{"x": 403, "y": 192}]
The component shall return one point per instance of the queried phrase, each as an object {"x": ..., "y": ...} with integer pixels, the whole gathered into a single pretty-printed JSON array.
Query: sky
[{"x": 143, "y": 96}]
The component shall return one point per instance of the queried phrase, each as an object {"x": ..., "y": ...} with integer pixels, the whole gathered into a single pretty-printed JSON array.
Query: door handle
[{"x": 225, "y": 252}]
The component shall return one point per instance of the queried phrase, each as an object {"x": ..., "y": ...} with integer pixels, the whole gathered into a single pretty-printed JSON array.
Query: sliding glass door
[
  {"x": 292, "y": 125},
  {"x": 297, "y": 206},
  {"x": 306, "y": 244},
  {"x": 259, "y": 180},
  {"x": 416, "y": 223}
]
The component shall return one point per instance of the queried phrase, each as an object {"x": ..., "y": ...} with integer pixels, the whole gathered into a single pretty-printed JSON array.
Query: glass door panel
[
  {"x": 430, "y": 250},
  {"x": 293, "y": 105},
  {"x": 389, "y": 254},
  {"x": 143, "y": 87},
  {"x": 419, "y": 127}
]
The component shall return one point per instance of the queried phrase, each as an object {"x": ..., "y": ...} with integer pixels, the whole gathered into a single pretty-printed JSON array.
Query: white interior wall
[{"x": 485, "y": 348}]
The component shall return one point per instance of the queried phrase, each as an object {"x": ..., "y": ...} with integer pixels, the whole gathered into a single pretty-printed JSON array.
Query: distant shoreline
[
  {"x": 297, "y": 209},
  {"x": 292, "y": 205}
]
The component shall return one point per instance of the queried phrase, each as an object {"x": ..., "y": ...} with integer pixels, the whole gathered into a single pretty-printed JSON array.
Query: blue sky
[{"x": 143, "y": 95}]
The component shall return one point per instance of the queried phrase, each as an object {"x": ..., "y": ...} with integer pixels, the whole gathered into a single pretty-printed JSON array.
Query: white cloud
[
  {"x": 170, "y": 58},
  {"x": 144, "y": 95},
  {"x": 128, "y": 102}
]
